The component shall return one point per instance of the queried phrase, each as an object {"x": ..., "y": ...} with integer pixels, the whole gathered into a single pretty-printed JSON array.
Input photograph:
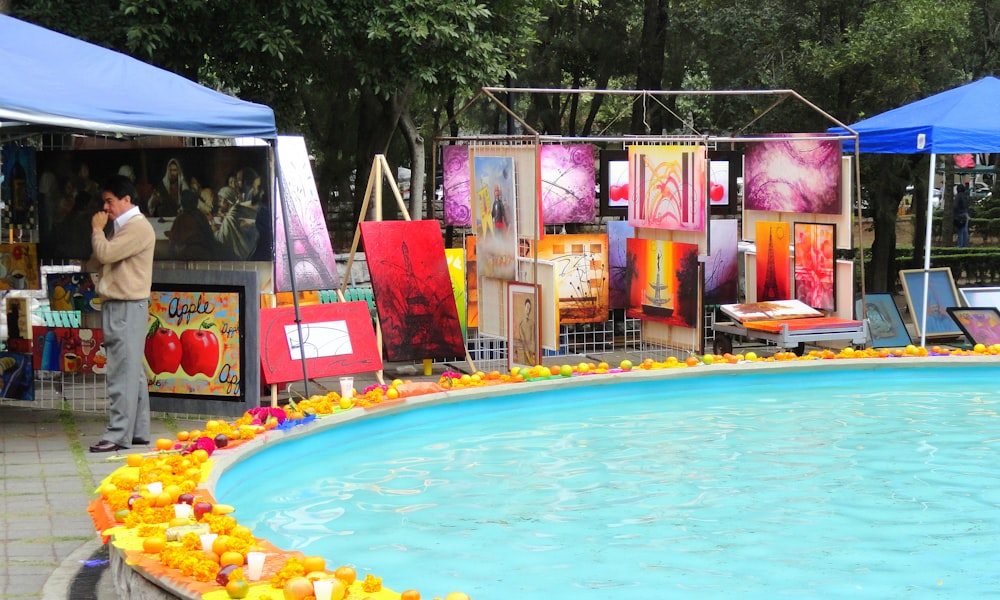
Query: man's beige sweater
[{"x": 126, "y": 260}]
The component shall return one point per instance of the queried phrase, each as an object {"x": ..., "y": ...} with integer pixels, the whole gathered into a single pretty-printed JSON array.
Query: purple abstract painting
[
  {"x": 793, "y": 175},
  {"x": 457, "y": 186},
  {"x": 569, "y": 194}
]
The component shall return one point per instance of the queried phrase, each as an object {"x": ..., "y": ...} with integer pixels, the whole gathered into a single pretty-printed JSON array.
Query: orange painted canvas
[
  {"x": 814, "y": 265},
  {"x": 582, "y": 274},
  {"x": 667, "y": 187},
  {"x": 471, "y": 283},
  {"x": 665, "y": 285},
  {"x": 773, "y": 266}
]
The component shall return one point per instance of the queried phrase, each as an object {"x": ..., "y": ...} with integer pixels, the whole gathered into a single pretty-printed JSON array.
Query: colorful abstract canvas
[
  {"x": 457, "y": 185},
  {"x": 815, "y": 275},
  {"x": 621, "y": 269},
  {"x": 582, "y": 270},
  {"x": 72, "y": 291},
  {"x": 495, "y": 209},
  {"x": 667, "y": 187},
  {"x": 309, "y": 239},
  {"x": 17, "y": 381},
  {"x": 722, "y": 277},
  {"x": 773, "y": 268},
  {"x": 568, "y": 176},
  {"x": 337, "y": 339},
  {"x": 471, "y": 282},
  {"x": 941, "y": 294},
  {"x": 793, "y": 175},
  {"x": 19, "y": 268},
  {"x": 412, "y": 288},
  {"x": 665, "y": 286},
  {"x": 456, "y": 271},
  {"x": 68, "y": 349},
  {"x": 980, "y": 325}
]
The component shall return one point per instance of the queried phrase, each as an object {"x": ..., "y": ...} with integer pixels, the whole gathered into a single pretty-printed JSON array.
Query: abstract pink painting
[
  {"x": 793, "y": 175},
  {"x": 457, "y": 185},
  {"x": 568, "y": 178},
  {"x": 814, "y": 265},
  {"x": 667, "y": 187}
]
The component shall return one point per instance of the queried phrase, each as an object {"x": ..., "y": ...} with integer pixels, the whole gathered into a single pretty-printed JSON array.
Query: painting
[
  {"x": 773, "y": 277},
  {"x": 522, "y": 325},
  {"x": 941, "y": 294},
  {"x": 471, "y": 282},
  {"x": 204, "y": 203},
  {"x": 724, "y": 169},
  {"x": 884, "y": 321},
  {"x": 72, "y": 291},
  {"x": 457, "y": 187},
  {"x": 19, "y": 268},
  {"x": 17, "y": 381},
  {"x": 456, "y": 271},
  {"x": 981, "y": 296},
  {"x": 793, "y": 174},
  {"x": 667, "y": 187},
  {"x": 568, "y": 176},
  {"x": 69, "y": 350},
  {"x": 721, "y": 267},
  {"x": 18, "y": 189},
  {"x": 308, "y": 244},
  {"x": 492, "y": 300},
  {"x": 581, "y": 261},
  {"x": 495, "y": 215},
  {"x": 543, "y": 274},
  {"x": 665, "y": 287},
  {"x": 621, "y": 270},
  {"x": 412, "y": 288},
  {"x": 337, "y": 339},
  {"x": 614, "y": 183},
  {"x": 814, "y": 272},
  {"x": 769, "y": 311},
  {"x": 981, "y": 325}
]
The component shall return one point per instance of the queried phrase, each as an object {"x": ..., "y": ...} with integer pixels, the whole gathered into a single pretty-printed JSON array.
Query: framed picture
[
  {"x": 614, "y": 183},
  {"x": 814, "y": 272},
  {"x": 981, "y": 325},
  {"x": 214, "y": 318},
  {"x": 884, "y": 321},
  {"x": 523, "y": 333},
  {"x": 941, "y": 294},
  {"x": 724, "y": 169},
  {"x": 981, "y": 296}
]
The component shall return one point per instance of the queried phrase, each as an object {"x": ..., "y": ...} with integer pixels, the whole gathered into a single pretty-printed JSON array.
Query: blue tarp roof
[
  {"x": 956, "y": 121},
  {"x": 47, "y": 78}
]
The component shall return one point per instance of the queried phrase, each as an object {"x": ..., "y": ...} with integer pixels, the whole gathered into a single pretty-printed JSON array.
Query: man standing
[
  {"x": 125, "y": 260},
  {"x": 961, "y": 214}
]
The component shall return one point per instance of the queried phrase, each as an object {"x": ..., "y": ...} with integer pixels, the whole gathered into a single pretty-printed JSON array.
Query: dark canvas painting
[{"x": 412, "y": 287}]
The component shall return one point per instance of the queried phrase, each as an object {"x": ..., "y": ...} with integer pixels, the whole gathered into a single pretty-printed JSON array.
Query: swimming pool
[{"x": 879, "y": 482}]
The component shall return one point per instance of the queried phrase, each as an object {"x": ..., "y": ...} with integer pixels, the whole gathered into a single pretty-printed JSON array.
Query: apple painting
[{"x": 200, "y": 350}]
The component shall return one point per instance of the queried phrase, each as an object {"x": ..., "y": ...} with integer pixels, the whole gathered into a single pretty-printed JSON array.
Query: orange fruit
[
  {"x": 346, "y": 574},
  {"x": 164, "y": 444},
  {"x": 220, "y": 545},
  {"x": 231, "y": 558},
  {"x": 183, "y": 436},
  {"x": 106, "y": 490},
  {"x": 392, "y": 393},
  {"x": 691, "y": 361},
  {"x": 162, "y": 499},
  {"x": 134, "y": 460},
  {"x": 154, "y": 544},
  {"x": 237, "y": 588},
  {"x": 174, "y": 490},
  {"x": 199, "y": 456},
  {"x": 410, "y": 595},
  {"x": 314, "y": 563},
  {"x": 212, "y": 556}
]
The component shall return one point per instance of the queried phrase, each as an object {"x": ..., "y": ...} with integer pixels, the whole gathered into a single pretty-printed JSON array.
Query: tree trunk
[
  {"x": 649, "y": 71},
  {"x": 415, "y": 142}
]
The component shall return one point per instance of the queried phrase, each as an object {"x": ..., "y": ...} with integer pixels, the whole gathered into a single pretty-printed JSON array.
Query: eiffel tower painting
[
  {"x": 770, "y": 277},
  {"x": 775, "y": 279}
]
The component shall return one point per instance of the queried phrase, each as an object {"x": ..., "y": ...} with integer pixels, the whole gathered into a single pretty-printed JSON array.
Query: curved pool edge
[{"x": 133, "y": 582}]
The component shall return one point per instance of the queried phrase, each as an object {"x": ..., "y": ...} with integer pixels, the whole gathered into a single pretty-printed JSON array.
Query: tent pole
[
  {"x": 927, "y": 250},
  {"x": 283, "y": 207}
]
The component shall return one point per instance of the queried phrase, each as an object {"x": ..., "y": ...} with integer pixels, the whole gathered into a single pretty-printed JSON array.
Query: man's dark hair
[{"x": 120, "y": 186}]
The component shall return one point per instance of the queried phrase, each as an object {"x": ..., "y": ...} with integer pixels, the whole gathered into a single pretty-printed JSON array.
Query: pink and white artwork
[
  {"x": 667, "y": 187},
  {"x": 721, "y": 267},
  {"x": 793, "y": 175},
  {"x": 568, "y": 177},
  {"x": 457, "y": 185}
]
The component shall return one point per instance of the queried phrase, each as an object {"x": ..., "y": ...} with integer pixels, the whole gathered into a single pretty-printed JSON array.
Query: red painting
[
  {"x": 69, "y": 350},
  {"x": 665, "y": 285},
  {"x": 814, "y": 265},
  {"x": 337, "y": 339},
  {"x": 773, "y": 255},
  {"x": 412, "y": 288}
]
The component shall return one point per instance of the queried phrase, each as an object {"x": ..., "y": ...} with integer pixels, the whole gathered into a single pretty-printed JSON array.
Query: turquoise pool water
[{"x": 867, "y": 483}]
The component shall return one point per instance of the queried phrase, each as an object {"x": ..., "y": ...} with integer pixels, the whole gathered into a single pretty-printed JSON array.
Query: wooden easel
[{"x": 380, "y": 169}]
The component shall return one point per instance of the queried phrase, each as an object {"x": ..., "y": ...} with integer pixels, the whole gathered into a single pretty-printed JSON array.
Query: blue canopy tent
[
  {"x": 956, "y": 121},
  {"x": 53, "y": 82}
]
